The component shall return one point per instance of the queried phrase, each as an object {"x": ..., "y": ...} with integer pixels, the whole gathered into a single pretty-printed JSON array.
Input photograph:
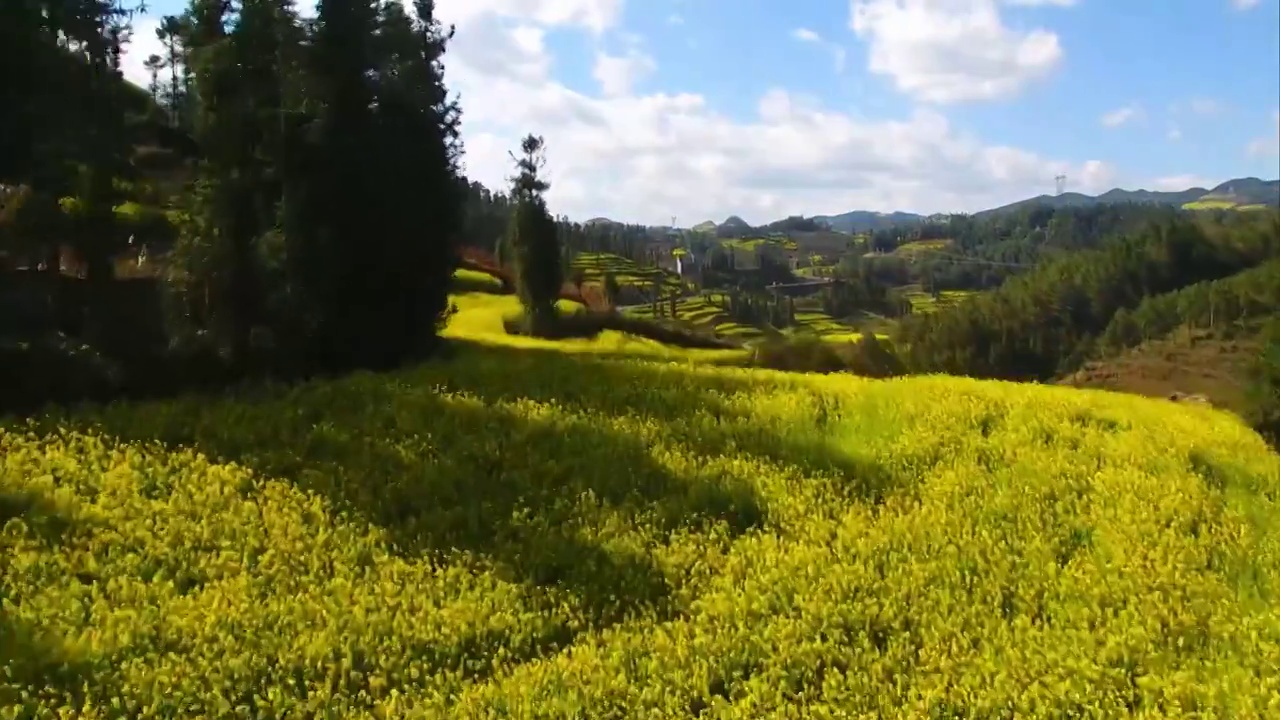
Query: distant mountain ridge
[
  {"x": 857, "y": 221},
  {"x": 1238, "y": 192}
]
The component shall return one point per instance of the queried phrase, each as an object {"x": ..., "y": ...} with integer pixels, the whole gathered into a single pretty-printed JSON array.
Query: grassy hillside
[
  {"x": 1202, "y": 339},
  {"x": 521, "y": 531},
  {"x": 1195, "y": 362}
]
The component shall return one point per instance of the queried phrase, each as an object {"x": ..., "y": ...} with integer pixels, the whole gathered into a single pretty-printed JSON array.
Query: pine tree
[
  {"x": 421, "y": 212},
  {"x": 534, "y": 240},
  {"x": 333, "y": 249}
]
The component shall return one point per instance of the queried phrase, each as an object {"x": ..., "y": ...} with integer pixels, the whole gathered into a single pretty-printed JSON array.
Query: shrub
[
  {"x": 1264, "y": 391},
  {"x": 868, "y": 356},
  {"x": 53, "y": 369},
  {"x": 587, "y": 325},
  {"x": 804, "y": 353}
]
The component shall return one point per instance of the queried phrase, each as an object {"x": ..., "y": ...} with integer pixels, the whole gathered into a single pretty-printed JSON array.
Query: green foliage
[
  {"x": 1222, "y": 303},
  {"x": 534, "y": 240},
  {"x": 1264, "y": 389},
  {"x": 1044, "y": 322},
  {"x": 52, "y": 369},
  {"x": 867, "y": 356}
]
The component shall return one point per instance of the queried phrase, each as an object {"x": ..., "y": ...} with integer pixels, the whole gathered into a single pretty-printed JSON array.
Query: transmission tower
[{"x": 1061, "y": 181}]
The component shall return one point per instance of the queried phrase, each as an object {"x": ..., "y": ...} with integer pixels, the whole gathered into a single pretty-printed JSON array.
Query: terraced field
[
  {"x": 480, "y": 319},
  {"x": 923, "y": 302},
  {"x": 704, "y": 311},
  {"x": 626, "y": 271}
]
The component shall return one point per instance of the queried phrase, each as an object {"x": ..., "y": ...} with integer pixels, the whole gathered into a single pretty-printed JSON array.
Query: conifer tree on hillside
[
  {"x": 611, "y": 288},
  {"x": 373, "y": 194},
  {"x": 534, "y": 240},
  {"x": 1264, "y": 389},
  {"x": 172, "y": 34},
  {"x": 421, "y": 212}
]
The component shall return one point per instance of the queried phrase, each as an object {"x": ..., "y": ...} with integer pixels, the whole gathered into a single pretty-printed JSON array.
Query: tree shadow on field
[
  {"x": 539, "y": 496},
  {"x": 696, "y": 411},
  {"x": 606, "y": 383},
  {"x": 528, "y": 488}
]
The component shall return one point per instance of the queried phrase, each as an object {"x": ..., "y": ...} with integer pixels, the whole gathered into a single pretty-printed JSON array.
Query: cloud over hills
[{"x": 627, "y": 150}]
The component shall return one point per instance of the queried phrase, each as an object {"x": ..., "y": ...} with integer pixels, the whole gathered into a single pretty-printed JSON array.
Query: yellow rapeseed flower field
[{"x": 521, "y": 532}]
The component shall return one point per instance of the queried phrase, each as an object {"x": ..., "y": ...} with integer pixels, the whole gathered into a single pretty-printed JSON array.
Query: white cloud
[
  {"x": 643, "y": 157},
  {"x": 675, "y": 19},
  {"x": 617, "y": 74},
  {"x": 1205, "y": 106},
  {"x": 1038, "y": 3},
  {"x": 839, "y": 55},
  {"x": 1265, "y": 147},
  {"x": 646, "y": 157},
  {"x": 595, "y": 15},
  {"x": 947, "y": 51},
  {"x": 1244, "y": 4},
  {"x": 143, "y": 44},
  {"x": 1174, "y": 134},
  {"x": 1185, "y": 181},
  {"x": 1122, "y": 116}
]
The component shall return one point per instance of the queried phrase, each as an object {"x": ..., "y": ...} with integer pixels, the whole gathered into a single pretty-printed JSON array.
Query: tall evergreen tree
[
  {"x": 333, "y": 249},
  {"x": 534, "y": 239},
  {"x": 420, "y": 214}
]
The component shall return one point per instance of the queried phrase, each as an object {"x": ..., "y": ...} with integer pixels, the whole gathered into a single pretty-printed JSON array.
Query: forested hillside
[
  {"x": 1228, "y": 305},
  {"x": 1215, "y": 340},
  {"x": 297, "y": 126}
]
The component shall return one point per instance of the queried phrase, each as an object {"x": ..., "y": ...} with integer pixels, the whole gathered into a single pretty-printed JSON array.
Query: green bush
[
  {"x": 867, "y": 357},
  {"x": 587, "y": 325},
  {"x": 1264, "y": 391},
  {"x": 52, "y": 369}
]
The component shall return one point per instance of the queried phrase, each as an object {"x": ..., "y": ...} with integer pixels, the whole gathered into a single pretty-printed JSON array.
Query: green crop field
[
  {"x": 531, "y": 529},
  {"x": 1210, "y": 205},
  {"x": 756, "y": 243},
  {"x": 1223, "y": 204},
  {"x": 921, "y": 247},
  {"x": 474, "y": 280},
  {"x": 923, "y": 302}
]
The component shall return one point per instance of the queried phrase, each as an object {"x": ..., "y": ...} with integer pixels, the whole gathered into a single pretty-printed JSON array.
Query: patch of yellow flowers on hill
[{"x": 519, "y": 533}]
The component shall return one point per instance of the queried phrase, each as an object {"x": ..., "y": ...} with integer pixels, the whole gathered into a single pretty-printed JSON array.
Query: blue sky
[{"x": 703, "y": 108}]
